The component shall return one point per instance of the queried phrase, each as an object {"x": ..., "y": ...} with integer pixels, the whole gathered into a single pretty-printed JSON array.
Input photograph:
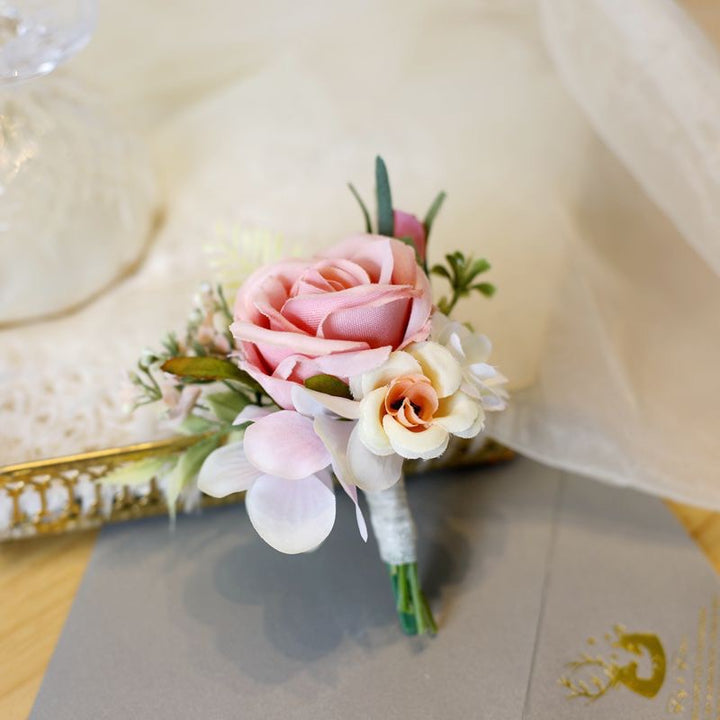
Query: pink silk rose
[
  {"x": 340, "y": 314},
  {"x": 407, "y": 225}
]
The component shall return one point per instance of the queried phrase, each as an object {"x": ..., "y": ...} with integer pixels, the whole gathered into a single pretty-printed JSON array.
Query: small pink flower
[
  {"x": 407, "y": 225},
  {"x": 340, "y": 314}
]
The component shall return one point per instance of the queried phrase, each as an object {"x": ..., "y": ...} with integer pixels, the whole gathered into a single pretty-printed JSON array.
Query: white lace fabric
[{"x": 577, "y": 140}]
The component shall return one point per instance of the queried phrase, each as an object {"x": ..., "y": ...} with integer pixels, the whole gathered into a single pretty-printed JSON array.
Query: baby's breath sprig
[{"x": 206, "y": 335}]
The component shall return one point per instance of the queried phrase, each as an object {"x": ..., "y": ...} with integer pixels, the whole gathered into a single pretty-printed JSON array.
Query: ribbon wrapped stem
[{"x": 394, "y": 530}]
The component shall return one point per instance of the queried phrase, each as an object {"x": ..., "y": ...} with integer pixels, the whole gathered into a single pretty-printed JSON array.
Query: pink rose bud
[{"x": 407, "y": 225}]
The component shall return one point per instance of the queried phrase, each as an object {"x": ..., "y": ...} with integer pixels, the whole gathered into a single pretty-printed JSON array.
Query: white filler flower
[{"x": 480, "y": 380}]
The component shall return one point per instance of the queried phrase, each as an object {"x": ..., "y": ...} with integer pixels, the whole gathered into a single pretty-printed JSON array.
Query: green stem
[{"x": 412, "y": 606}]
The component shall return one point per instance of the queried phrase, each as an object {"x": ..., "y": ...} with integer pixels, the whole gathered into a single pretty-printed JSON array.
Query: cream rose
[{"x": 412, "y": 403}]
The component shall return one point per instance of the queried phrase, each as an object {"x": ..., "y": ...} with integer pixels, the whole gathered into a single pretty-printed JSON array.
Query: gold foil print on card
[
  {"x": 592, "y": 675},
  {"x": 682, "y": 679}
]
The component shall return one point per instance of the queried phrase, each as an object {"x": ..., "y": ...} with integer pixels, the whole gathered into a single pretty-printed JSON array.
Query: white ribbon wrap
[{"x": 392, "y": 524}]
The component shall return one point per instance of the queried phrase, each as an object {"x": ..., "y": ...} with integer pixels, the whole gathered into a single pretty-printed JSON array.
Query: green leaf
[
  {"x": 223, "y": 303},
  {"x": 487, "y": 289},
  {"x": 444, "y": 306},
  {"x": 363, "y": 207},
  {"x": 200, "y": 350},
  {"x": 440, "y": 270},
  {"x": 136, "y": 473},
  {"x": 476, "y": 267},
  {"x": 227, "y": 405},
  {"x": 456, "y": 261},
  {"x": 171, "y": 344},
  {"x": 328, "y": 384},
  {"x": 432, "y": 213},
  {"x": 238, "y": 432},
  {"x": 209, "y": 368},
  {"x": 195, "y": 425},
  {"x": 386, "y": 224},
  {"x": 187, "y": 468},
  {"x": 203, "y": 368}
]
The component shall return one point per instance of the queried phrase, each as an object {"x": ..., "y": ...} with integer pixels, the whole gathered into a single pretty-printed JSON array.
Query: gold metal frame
[{"x": 64, "y": 476}]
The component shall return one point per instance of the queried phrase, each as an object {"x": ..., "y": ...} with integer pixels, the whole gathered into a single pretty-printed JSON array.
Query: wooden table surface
[{"x": 38, "y": 580}]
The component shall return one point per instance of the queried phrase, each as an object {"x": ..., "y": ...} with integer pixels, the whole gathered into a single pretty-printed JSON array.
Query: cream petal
[
  {"x": 292, "y": 516},
  {"x": 457, "y": 413},
  {"x": 475, "y": 428},
  {"x": 438, "y": 365},
  {"x": 313, "y": 403},
  {"x": 372, "y": 472},
  {"x": 370, "y": 428},
  {"x": 398, "y": 363},
  {"x": 430, "y": 443},
  {"x": 226, "y": 471},
  {"x": 284, "y": 444}
]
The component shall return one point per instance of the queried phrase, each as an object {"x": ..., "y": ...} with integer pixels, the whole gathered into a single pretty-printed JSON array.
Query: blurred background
[{"x": 578, "y": 143}]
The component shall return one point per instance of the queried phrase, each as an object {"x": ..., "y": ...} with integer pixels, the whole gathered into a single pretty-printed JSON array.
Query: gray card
[
  {"x": 630, "y": 617},
  {"x": 208, "y": 622}
]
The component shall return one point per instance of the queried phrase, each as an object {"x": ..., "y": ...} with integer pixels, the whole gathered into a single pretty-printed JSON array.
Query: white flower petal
[
  {"x": 293, "y": 516},
  {"x": 470, "y": 386},
  {"x": 475, "y": 428},
  {"x": 441, "y": 327},
  {"x": 314, "y": 403},
  {"x": 372, "y": 472},
  {"x": 226, "y": 471},
  {"x": 429, "y": 443},
  {"x": 454, "y": 344},
  {"x": 284, "y": 444},
  {"x": 399, "y": 363},
  {"x": 369, "y": 424},
  {"x": 482, "y": 371},
  {"x": 477, "y": 348},
  {"x": 439, "y": 365},
  {"x": 493, "y": 403},
  {"x": 250, "y": 413},
  {"x": 336, "y": 435},
  {"x": 457, "y": 413}
]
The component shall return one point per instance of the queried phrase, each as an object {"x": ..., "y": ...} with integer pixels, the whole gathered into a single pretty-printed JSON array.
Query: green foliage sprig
[{"x": 461, "y": 272}]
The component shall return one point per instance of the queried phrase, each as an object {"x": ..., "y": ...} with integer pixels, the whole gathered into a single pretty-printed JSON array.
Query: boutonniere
[{"x": 339, "y": 366}]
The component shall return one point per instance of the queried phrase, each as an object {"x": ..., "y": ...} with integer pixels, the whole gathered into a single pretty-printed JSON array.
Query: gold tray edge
[{"x": 66, "y": 472}]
